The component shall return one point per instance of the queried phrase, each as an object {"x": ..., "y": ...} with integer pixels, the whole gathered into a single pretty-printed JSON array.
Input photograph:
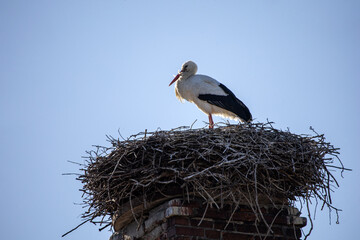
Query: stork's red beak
[{"x": 175, "y": 78}]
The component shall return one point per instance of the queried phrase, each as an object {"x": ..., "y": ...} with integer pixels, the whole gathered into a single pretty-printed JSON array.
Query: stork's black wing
[{"x": 229, "y": 102}]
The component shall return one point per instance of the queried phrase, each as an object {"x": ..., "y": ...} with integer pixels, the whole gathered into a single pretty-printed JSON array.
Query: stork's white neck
[{"x": 184, "y": 76}]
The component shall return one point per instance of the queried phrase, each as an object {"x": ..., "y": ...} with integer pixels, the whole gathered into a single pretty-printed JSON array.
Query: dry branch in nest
[{"x": 230, "y": 164}]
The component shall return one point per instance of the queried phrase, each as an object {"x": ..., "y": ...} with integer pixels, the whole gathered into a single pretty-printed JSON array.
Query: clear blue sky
[{"x": 73, "y": 71}]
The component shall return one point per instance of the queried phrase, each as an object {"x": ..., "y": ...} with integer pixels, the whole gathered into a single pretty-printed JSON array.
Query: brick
[
  {"x": 212, "y": 234},
  {"x": 237, "y": 236},
  {"x": 251, "y": 217},
  {"x": 185, "y": 231},
  {"x": 250, "y": 228},
  {"x": 275, "y": 229},
  {"x": 213, "y": 213},
  {"x": 204, "y": 224},
  {"x": 181, "y": 238},
  {"x": 229, "y": 227},
  {"x": 279, "y": 212},
  {"x": 244, "y": 216},
  {"x": 219, "y": 224},
  {"x": 282, "y": 220},
  {"x": 272, "y": 238},
  {"x": 178, "y": 221}
]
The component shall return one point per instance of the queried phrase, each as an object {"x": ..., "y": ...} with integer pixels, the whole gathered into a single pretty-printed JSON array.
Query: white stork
[{"x": 208, "y": 94}]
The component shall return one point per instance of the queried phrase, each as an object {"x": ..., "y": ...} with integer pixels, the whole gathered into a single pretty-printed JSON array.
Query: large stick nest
[{"x": 250, "y": 163}]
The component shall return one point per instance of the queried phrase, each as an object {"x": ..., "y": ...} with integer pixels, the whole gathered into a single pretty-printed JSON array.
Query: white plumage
[{"x": 209, "y": 95}]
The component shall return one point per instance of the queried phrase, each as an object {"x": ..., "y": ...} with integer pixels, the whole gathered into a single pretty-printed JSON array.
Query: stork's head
[{"x": 188, "y": 69}]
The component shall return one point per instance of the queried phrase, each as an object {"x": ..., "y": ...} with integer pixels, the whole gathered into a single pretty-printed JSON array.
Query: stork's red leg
[{"x": 211, "y": 122}]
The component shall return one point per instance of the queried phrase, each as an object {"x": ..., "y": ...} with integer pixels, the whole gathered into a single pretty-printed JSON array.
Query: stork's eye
[{"x": 185, "y": 67}]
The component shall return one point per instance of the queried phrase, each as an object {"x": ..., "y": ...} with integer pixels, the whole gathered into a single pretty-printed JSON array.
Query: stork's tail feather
[{"x": 242, "y": 111}]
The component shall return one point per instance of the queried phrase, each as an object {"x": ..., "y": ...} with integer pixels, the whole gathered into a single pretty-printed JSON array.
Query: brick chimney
[{"x": 180, "y": 219}]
